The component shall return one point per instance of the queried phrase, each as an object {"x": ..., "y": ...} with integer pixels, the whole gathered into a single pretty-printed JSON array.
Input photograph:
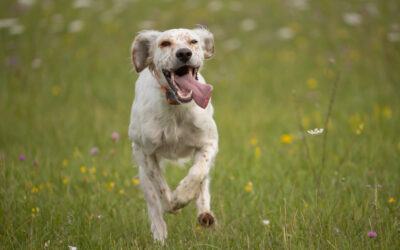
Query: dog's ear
[
  {"x": 207, "y": 41},
  {"x": 141, "y": 47}
]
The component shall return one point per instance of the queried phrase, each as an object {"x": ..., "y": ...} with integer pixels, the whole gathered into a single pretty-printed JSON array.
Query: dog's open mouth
[{"x": 185, "y": 85}]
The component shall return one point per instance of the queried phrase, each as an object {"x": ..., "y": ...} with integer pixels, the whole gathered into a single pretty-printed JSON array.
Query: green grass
[{"x": 84, "y": 88}]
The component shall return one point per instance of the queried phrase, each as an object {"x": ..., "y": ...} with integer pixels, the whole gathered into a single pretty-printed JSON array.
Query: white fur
[{"x": 160, "y": 131}]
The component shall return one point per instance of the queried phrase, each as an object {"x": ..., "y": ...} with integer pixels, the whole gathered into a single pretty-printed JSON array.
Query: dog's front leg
[{"x": 196, "y": 181}]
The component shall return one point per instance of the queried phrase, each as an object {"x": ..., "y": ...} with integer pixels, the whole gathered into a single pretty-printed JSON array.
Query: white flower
[
  {"x": 248, "y": 24},
  {"x": 266, "y": 222},
  {"x": 285, "y": 33},
  {"x": 72, "y": 248},
  {"x": 7, "y": 22},
  {"x": 232, "y": 44},
  {"x": 26, "y": 2},
  {"x": 315, "y": 131},
  {"x": 82, "y": 3},
  {"x": 393, "y": 36},
  {"x": 299, "y": 4},
  {"x": 215, "y": 6},
  {"x": 75, "y": 26},
  {"x": 336, "y": 229},
  {"x": 352, "y": 18},
  {"x": 17, "y": 29},
  {"x": 47, "y": 244}
]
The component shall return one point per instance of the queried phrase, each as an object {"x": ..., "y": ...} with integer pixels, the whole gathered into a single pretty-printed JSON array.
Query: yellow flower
[
  {"x": 198, "y": 228},
  {"x": 48, "y": 185},
  {"x": 111, "y": 185},
  {"x": 76, "y": 153},
  {"x": 387, "y": 112},
  {"x": 135, "y": 181},
  {"x": 55, "y": 90},
  {"x": 64, "y": 180},
  {"x": 253, "y": 141},
  {"x": 312, "y": 83},
  {"x": 33, "y": 210},
  {"x": 391, "y": 200},
  {"x": 34, "y": 190},
  {"x": 249, "y": 186},
  {"x": 121, "y": 191},
  {"x": 286, "y": 138},
  {"x": 83, "y": 169},
  {"x": 41, "y": 187},
  {"x": 360, "y": 128},
  {"x": 257, "y": 152},
  {"x": 92, "y": 170},
  {"x": 65, "y": 163}
]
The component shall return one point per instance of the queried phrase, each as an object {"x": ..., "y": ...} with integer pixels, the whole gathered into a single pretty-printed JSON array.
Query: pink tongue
[{"x": 201, "y": 91}]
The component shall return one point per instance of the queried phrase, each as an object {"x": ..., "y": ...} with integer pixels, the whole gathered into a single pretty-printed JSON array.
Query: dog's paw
[{"x": 206, "y": 219}]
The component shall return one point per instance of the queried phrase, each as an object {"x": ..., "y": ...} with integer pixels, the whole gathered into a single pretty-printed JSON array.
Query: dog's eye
[
  {"x": 193, "y": 41},
  {"x": 165, "y": 44}
]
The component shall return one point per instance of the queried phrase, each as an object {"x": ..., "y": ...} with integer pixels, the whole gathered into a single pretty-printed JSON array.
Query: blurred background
[{"x": 67, "y": 85}]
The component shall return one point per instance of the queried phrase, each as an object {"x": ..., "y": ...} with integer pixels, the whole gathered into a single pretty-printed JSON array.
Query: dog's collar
[{"x": 168, "y": 94}]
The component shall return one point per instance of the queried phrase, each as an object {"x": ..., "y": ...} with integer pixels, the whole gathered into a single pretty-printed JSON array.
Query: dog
[{"x": 172, "y": 119}]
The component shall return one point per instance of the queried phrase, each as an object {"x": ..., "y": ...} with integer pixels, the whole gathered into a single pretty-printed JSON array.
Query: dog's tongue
[{"x": 201, "y": 92}]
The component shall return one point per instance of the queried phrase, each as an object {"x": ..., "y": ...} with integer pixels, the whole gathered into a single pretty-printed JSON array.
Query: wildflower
[
  {"x": 83, "y": 169},
  {"x": 371, "y": 234},
  {"x": 92, "y": 170},
  {"x": 336, "y": 229},
  {"x": 55, "y": 90},
  {"x": 111, "y": 185},
  {"x": 7, "y": 22},
  {"x": 387, "y": 112},
  {"x": 17, "y": 29},
  {"x": 75, "y": 26},
  {"x": 115, "y": 136},
  {"x": 215, "y": 6},
  {"x": 82, "y": 3},
  {"x": 135, "y": 181},
  {"x": 257, "y": 152},
  {"x": 391, "y": 200},
  {"x": 65, "y": 163},
  {"x": 64, "y": 180},
  {"x": 315, "y": 131},
  {"x": 248, "y": 24},
  {"x": 249, "y": 187},
  {"x": 41, "y": 187},
  {"x": 352, "y": 18},
  {"x": 35, "y": 212},
  {"x": 72, "y": 248},
  {"x": 198, "y": 228},
  {"x": 22, "y": 158},
  {"x": 34, "y": 190},
  {"x": 312, "y": 83},
  {"x": 36, "y": 162},
  {"x": 94, "y": 150},
  {"x": 360, "y": 128},
  {"x": 253, "y": 141},
  {"x": 285, "y": 138},
  {"x": 121, "y": 191},
  {"x": 13, "y": 61},
  {"x": 36, "y": 62},
  {"x": 47, "y": 244},
  {"x": 232, "y": 44},
  {"x": 266, "y": 222},
  {"x": 285, "y": 33}
]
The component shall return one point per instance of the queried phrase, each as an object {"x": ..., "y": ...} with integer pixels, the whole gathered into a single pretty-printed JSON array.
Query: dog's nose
[{"x": 184, "y": 54}]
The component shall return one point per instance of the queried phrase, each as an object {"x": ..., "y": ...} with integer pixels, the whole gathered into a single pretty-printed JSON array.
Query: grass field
[{"x": 67, "y": 85}]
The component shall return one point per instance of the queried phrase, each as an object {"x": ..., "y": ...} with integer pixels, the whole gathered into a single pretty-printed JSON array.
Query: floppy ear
[
  {"x": 207, "y": 41},
  {"x": 141, "y": 47}
]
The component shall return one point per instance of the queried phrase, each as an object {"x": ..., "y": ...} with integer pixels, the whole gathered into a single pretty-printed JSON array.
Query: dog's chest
[{"x": 179, "y": 138}]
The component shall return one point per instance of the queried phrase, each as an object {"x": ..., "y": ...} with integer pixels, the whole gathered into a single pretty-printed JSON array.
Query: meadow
[{"x": 281, "y": 68}]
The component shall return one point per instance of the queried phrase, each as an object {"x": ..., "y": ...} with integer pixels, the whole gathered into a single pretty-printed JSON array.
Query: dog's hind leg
[
  {"x": 204, "y": 215},
  {"x": 154, "y": 207}
]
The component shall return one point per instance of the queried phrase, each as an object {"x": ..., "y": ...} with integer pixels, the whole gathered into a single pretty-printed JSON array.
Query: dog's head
[{"x": 173, "y": 54}]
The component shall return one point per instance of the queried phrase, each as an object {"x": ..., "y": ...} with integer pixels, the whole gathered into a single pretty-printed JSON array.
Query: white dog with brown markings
[{"x": 171, "y": 119}]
